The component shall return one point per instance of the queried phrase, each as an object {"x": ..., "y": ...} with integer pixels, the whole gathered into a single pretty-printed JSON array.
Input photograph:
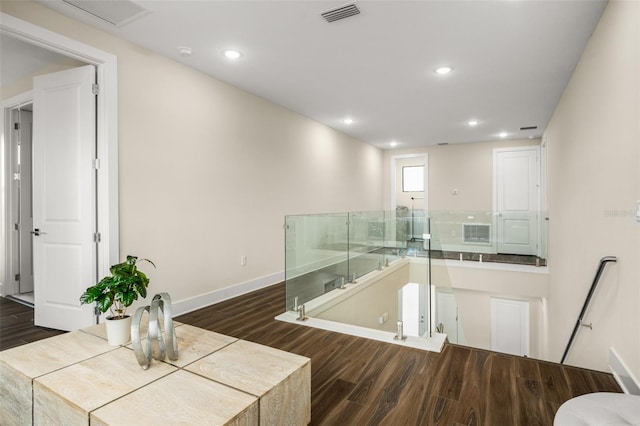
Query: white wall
[
  {"x": 208, "y": 172},
  {"x": 465, "y": 167},
  {"x": 26, "y": 83},
  {"x": 593, "y": 144},
  {"x": 364, "y": 307},
  {"x": 473, "y": 286}
]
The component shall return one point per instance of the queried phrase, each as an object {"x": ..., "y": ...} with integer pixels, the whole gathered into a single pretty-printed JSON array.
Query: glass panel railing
[
  {"x": 445, "y": 315},
  {"x": 316, "y": 253},
  {"x": 412, "y": 267},
  {"x": 366, "y": 243},
  {"x": 486, "y": 236}
]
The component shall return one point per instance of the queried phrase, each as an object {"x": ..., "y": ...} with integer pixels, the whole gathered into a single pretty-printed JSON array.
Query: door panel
[
  {"x": 64, "y": 197},
  {"x": 510, "y": 326},
  {"x": 517, "y": 199}
]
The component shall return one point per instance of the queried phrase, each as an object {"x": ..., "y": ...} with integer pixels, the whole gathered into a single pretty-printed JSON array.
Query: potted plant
[{"x": 116, "y": 293}]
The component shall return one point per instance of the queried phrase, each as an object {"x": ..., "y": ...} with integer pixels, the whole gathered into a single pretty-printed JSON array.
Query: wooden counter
[{"x": 78, "y": 379}]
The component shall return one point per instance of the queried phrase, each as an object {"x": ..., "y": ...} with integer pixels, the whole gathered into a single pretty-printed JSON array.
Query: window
[{"x": 413, "y": 179}]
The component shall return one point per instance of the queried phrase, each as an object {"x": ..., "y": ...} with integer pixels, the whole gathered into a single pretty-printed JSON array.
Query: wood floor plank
[
  {"x": 476, "y": 385},
  {"x": 440, "y": 411},
  {"x": 336, "y": 392},
  {"x": 579, "y": 381},
  {"x": 413, "y": 404},
  {"x": 534, "y": 410},
  {"x": 344, "y": 413},
  {"x": 502, "y": 405},
  {"x": 527, "y": 368},
  {"x": 604, "y": 382},
  {"x": 388, "y": 400},
  {"x": 451, "y": 372},
  {"x": 554, "y": 383},
  {"x": 377, "y": 375}
]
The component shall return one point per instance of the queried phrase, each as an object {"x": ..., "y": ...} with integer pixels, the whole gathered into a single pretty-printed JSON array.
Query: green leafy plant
[{"x": 119, "y": 290}]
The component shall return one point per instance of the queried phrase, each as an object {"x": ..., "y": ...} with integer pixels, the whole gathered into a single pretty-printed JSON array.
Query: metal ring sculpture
[{"x": 155, "y": 347}]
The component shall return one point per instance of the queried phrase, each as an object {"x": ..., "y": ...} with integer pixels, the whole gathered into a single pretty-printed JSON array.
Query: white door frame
[
  {"x": 9, "y": 285},
  {"x": 107, "y": 136}
]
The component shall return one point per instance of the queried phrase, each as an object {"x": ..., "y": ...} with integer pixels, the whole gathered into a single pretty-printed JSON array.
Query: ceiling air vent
[
  {"x": 529, "y": 128},
  {"x": 116, "y": 13},
  {"x": 341, "y": 12}
]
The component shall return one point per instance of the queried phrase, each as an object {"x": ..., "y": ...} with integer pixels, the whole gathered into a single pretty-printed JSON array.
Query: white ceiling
[{"x": 511, "y": 59}]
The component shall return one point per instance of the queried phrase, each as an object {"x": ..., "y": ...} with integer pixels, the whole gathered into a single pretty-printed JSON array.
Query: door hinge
[
  {"x": 16, "y": 226},
  {"x": 17, "y": 277},
  {"x": 95, "y": 89},
  {"x": 97, "y": 237},
  {"x": 96, "y": 163},
  {"x": 16, "y": 126}
]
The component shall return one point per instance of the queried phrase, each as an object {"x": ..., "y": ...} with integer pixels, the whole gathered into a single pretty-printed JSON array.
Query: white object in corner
[{"x": 622, "y": 374}]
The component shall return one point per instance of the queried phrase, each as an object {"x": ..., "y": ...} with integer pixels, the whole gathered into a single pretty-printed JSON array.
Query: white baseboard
[
  {"x": 622, "y": 374},
  {"x": 188, "y": 305}
]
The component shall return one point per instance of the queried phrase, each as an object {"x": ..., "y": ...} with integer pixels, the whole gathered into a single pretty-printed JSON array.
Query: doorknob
[{"x": 37, "y": 232}]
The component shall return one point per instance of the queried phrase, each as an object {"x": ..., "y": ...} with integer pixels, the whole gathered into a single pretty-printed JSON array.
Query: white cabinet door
[{"x": 64, "y": 190}]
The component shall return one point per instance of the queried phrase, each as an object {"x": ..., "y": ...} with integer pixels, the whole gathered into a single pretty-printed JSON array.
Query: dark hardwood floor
[
  {"x": 16, "y": 325},
  {"x": 356, "y": 381}
]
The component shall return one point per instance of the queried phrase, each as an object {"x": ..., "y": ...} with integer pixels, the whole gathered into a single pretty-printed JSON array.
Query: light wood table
[
  {"x": 21, "y": 365},
  {"x": 78, "y": 379},
  {"x": 281, "y": 380}
]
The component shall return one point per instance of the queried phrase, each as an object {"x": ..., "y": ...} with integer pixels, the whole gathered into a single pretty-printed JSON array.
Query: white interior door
[
  {"x": 517, "y": 199},
  {"x": 64, "y": 206},
  {"x": 510, "y": 326}
]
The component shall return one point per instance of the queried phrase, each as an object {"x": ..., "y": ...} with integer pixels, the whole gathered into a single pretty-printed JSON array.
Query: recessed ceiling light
[
  {"x": 472, "y": 123},
  {"x": 348, "y": 120},
  {"x": 444, "y": 70},
  {"x": 503, "y": 134},
  {"x": 184, "y": 51},
  {"x": 232, "y": 54},
  {"x": 393, "y": 144}
]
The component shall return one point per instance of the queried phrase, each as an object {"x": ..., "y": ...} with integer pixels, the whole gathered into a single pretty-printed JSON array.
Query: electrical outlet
[{"x": 243, "y": 260}]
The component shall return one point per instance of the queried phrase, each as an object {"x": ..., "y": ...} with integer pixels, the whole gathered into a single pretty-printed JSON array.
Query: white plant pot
[{"x": 118, "y": 330}]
